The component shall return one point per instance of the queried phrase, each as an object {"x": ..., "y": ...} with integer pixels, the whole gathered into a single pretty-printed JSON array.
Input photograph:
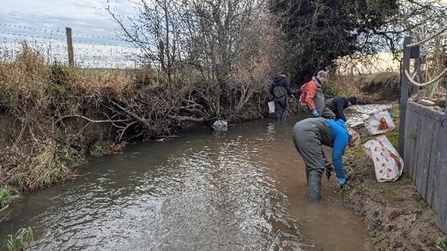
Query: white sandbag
[
  {"x": 355, "y": 138},
  {"x": 271, "y": 105},
  {"x": 379, "y": 122},
  {"x": 388, "y": 164},
  {"x": 220, "y": 126}
]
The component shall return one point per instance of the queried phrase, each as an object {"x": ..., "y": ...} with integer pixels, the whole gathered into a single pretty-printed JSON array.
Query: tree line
[{"x": 241, "y": 44}]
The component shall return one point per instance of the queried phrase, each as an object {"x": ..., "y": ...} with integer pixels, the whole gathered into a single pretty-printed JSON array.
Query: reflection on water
[{"x": 240, "y": 190}]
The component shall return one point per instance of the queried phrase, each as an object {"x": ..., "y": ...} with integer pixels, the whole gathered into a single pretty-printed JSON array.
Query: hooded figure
[
  {"x": 280, "y": 89},
  {"x": 308, "y": 136},
  {"x": 338, "y": 104}
]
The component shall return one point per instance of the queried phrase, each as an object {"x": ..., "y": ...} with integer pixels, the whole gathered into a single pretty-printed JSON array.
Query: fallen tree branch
[
  {"x": 90, "y": 120},
  {"x": 136, "y": 117},
  {"x": 188, "y": 118}
]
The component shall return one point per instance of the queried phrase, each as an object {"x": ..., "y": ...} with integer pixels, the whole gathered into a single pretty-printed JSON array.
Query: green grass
[
  {"x": 19, "y": 241},
  {"x": 6, "y": 197},
  {"x": 441, "y": 243}
]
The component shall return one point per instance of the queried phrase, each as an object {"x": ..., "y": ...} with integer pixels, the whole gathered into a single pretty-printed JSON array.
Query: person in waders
[
  {"x": 312, "y": 99},
  {"x": 280, "y": 90},
  {"x": 308, "y": 136}
]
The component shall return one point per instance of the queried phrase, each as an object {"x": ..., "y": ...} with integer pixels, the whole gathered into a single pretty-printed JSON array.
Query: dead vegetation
[{"x": 52, "y": 117}]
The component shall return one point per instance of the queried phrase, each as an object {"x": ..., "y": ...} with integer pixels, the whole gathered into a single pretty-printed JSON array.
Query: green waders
[{"x": 306, "y": 136}]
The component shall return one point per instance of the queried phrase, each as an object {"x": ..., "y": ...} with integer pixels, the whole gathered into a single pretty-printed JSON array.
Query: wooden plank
[
  {"x": 432, "y": 178},
  {"x": 428, "y": 163},
  {"x": 409, "y": 142},
  {"x": 418, "y": 147},
  {"x": 422, "y": 153},
  {"x": 442, "y": 192}
]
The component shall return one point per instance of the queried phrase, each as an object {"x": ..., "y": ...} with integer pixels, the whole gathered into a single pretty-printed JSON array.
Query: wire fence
[{"x": 90, "y": 51}]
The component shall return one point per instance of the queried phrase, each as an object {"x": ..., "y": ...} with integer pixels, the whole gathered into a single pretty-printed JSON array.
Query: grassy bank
[{"x": 395, "y": 215}]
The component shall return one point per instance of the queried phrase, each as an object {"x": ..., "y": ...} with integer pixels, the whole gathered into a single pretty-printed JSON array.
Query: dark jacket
[
  {"x": 280, "y": 87},
  {"x": 338, "y": 105}
]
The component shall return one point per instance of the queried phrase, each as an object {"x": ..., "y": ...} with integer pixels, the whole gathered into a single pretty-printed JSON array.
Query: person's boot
[{"x": 314, "y": 188}]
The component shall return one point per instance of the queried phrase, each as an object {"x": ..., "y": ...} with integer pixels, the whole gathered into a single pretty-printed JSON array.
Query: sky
[
  {"x": 39, "y": 20},
  {"x": 89, "y": 17}
]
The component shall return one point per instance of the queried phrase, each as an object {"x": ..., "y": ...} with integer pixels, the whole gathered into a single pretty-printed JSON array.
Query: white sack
[
  {"x": 379, "y": 122},
  {"x": 220, "y": 126},
  {"x": 271, "y": 106},
  {"x": 388, "y": 164}
]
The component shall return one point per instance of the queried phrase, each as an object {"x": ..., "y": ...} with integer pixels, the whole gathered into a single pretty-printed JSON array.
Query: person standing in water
[
  {"x": 280, "y": 90},
  {"x": 308, "y": 136}
]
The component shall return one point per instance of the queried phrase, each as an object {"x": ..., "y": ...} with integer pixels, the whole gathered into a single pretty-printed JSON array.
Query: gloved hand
[
  {"x": 314, "y": 113},
  {"x": 342, "y": 181}
]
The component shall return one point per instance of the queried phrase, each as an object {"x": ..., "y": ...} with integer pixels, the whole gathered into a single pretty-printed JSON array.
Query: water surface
[{"x": 240, "y": 190}]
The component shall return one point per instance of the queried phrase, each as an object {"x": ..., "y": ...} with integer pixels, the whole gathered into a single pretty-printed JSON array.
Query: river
[{"x": 244, "y": 189}]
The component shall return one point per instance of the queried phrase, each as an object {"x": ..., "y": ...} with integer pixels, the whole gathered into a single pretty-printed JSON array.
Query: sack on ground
[
  {"x": 388, "y": 164},
  {"x": 355, "y": 138},
  {"x": 271, "y": 105},
  {"x": 379, "y": 122}
]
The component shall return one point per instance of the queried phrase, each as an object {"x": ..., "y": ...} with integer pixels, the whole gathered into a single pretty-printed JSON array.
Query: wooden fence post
[
  {"x": 403, "y": 94},
  {"x": 69, "y": 46}
]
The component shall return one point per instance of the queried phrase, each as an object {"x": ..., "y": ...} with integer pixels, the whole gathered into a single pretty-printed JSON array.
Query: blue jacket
[{"x": 341, "y": 140}]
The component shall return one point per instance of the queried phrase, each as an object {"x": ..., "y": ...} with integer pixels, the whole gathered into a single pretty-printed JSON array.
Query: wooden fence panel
[{"x": 426, "y": 156}]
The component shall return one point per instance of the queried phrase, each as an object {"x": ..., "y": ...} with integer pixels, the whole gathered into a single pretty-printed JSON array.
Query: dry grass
[{"x": 375, "y": 88}]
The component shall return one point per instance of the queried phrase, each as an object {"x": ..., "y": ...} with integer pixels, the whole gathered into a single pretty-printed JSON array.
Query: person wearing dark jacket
[
  {"x": 338, "y": 104},
  {"x": 280, "y": 90}
]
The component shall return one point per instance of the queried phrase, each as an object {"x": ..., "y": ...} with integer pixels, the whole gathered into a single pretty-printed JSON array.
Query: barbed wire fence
[{"x": 90, "y": 51}]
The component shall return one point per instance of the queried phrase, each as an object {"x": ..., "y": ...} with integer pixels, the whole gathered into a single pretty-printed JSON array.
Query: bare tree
[
  {"x": 156, "y": 31},
  {"x": 201, "y": 44}
]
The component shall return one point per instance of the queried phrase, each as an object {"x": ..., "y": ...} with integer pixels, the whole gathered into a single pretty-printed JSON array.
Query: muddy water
[{"x": 240, "y": 190}]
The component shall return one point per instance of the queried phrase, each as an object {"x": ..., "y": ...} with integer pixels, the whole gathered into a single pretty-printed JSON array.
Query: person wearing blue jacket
[{"x": 308, "y": 136}]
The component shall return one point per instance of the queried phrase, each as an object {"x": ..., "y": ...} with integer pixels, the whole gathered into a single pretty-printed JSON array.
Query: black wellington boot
[{"x": 315, "y": 188}]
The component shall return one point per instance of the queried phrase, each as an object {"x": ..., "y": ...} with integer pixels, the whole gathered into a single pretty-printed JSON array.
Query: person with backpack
[
  {"x": 280, "y": 90},
  {"x": 312, "y": 99},
  {"x": 338, "y": 104}
]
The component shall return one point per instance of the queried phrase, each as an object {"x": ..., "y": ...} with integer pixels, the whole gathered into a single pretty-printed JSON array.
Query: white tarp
[
  {"x": 379, "y": 122},
  {"x": 388, "y": 164}
]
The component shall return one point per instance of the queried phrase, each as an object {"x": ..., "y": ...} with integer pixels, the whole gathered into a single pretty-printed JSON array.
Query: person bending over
[
  {"x": 338, "y": 104},
  {"x": 308, "y": 136}
]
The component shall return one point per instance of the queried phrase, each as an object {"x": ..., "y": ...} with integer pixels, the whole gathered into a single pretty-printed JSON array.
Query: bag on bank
[
  {"x": 388, "y": 164},
  {"x": 379, "y": 122},
  {"x": 271, "y": 105}
]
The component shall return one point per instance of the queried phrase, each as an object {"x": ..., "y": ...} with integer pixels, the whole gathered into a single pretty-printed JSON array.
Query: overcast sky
[{"x": 50, "y": 17}]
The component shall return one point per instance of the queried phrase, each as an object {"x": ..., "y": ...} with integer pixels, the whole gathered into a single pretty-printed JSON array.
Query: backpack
[
  {"x": 279, "y": 92},
  {"x": 303, "y": 94}
]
